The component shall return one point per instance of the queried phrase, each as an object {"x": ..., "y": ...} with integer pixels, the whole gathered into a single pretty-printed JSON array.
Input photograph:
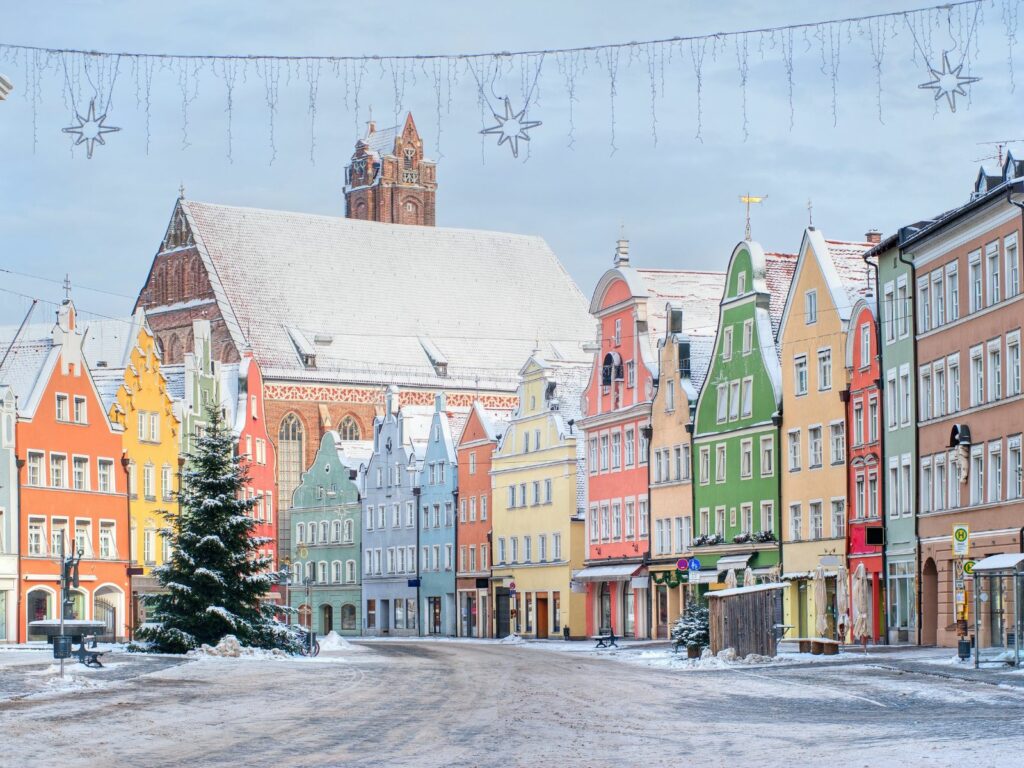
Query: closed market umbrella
[
  {"x": 842, "y": 603},
  {"x": 860, "y": 602},
  {"x": 821, "y": 617},
  {"x": 730, "y": 579},
  {"x": 748, "y": 577}
]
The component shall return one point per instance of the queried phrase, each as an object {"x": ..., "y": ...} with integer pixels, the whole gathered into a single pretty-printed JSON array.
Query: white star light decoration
[
  {"x": 90, "y": 129},
  {"x": 948, "y": 81},
  {"x": 511, "y": 128}
]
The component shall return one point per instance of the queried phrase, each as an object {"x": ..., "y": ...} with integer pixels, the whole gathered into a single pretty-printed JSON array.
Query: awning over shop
[
  {"x": 703, "y": 577},
  {"x": 1008, "y": 563},
  {"x": 608, "y": 572},
  {"x": 733, "y": 562}
]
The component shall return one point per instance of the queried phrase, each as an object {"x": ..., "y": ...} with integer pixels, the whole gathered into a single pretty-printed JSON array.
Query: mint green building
[{"x": 736, "y": 429}]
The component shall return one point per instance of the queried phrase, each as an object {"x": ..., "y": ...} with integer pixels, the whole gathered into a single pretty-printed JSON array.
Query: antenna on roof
[
  {"x": 747, "y": 200},
  {"x": 66, "y": 285},
  {"x": 999, "y": 145},
  {"x": 181, "y": 191},
  {"x": 810, "y": 213}
]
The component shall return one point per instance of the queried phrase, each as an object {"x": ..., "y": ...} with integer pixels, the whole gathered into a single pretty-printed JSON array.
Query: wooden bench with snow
[
  {"x": 818, "y": 646},
  {"x": 605, "y": 641}
]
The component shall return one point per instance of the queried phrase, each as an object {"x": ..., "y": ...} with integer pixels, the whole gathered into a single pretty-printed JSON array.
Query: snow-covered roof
[
  {"x": 26, "y": 363},
  {"x": 779, "y": 268},
  {"x": 702, "y": 348},
  {"x": 108, "y": 343},
  {"x": 697, "y": 291},
  {"x": 461, "y": 290},
  {"x": 108, "y": 381},
  {"x": 381, "y": 141}
]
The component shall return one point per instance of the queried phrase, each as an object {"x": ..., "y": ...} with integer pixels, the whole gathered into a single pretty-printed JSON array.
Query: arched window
[
  {"x": 300, "y": 533},
  {"x": 312, "y": 533},
  {"x": 336, "y": 530},
  {"x": 336, "y": 571},
  {"x": 309, "y": 571},
  {"x": 297, "y": 572},
  {"x": 350, "y": 571},
  {"x": 323, "y": 532},
  {"x": 348, "y": 616},
  {"x": 289, "y": 459},
  {"x": 347, "y": 535},
  {"x": 348, "y": 429},
  {"x": 173, "y": 351},
  {"x": 321, "y": 576}
]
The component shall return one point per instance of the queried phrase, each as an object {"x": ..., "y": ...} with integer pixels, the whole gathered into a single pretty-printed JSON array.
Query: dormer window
[
  {"x": 684, "y": 359},
  {"x": 741, "y": 283}
]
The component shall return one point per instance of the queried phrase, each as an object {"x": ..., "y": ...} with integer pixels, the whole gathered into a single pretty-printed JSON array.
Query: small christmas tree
[
  {"x": 215, "y": 579},
  {"x": 692, "y": 628}
]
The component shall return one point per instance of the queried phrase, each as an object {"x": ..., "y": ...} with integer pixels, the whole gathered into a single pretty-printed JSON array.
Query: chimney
[
  {"x": 873, "y": 236},
  {"x": 621, "y": 253},
  {"x": 371, "y": 127}
]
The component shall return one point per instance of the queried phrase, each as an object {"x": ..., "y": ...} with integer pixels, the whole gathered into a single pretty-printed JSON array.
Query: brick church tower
[{"x": 389, "y": 180}]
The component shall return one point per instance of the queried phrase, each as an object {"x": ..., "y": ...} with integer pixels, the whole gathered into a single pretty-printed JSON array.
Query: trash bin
[
  {"x": 963, "y": 649},
  {"x": 62, "y": 646}
]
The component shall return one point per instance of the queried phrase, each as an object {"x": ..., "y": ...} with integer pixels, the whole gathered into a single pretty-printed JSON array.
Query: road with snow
[{"x": 428, "y": 704}]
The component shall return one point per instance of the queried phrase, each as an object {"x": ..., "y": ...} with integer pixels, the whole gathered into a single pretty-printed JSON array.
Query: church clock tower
[{"x": 389, "y": 180}]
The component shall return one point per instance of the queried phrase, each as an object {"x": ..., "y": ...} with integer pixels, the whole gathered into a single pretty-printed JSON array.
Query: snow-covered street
[{"x": 426, "y": 703}]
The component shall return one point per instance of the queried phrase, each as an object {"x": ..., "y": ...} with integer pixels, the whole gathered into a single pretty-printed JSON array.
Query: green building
[
  {"x": 195, "y": 386},
  {"x": 736, "y": 429},
  {"x": 326, "y": 588},
  {"x": 899, "y": 446}
]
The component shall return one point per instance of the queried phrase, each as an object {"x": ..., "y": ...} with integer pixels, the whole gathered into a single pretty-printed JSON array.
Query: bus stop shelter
[{"x": 998, "y": 602}]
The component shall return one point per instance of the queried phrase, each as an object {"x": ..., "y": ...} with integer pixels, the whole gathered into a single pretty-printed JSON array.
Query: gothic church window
[
  {"x": 348, "y": 429},
  {"x": 289, "y": 464}
]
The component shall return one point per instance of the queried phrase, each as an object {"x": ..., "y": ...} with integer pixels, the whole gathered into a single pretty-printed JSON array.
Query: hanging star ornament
[
  {"x": 948, "y": 81},
  {"x": 90, "y": 129},
  {"x": 511, "y": 128}
]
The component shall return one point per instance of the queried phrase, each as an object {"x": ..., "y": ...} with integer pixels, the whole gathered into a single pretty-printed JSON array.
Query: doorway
[
  {"x": 106, "y": 604},
  {"x": 434, "y": 615},
  {"x": 929, "y": 603},
  {"x": 326, "y": 619},
  {"x": 38, "y": 606},
  {"x": 605, "y": 609},
  {"x": 501, "y": 601},
  {"x": 662, "y": 593},
  {"x": 542, "y": 617}
]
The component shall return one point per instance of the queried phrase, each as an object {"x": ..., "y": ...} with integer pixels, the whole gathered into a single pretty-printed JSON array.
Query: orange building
[{"x": 72, "y": 480}]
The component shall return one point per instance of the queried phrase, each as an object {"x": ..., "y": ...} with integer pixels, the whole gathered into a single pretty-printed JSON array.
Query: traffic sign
[
  {"x": 683, "y": 564},
  {"x": 512, "y": 585},
  {"x": 969, "y": 567},
  {"x": 961, "y": 540},
  {"x": 694, "y": 564}
]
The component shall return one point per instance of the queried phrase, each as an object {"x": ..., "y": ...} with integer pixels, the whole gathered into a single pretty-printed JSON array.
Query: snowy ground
[{"x": 486, "y": 703}]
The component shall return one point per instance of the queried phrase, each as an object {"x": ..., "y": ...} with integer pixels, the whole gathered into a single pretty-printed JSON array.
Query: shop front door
[
  {"x": 501, "y": 611},
  {"x": 542, "y": 618}
]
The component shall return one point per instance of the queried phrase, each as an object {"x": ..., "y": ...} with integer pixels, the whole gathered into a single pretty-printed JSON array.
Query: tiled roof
[
  {"x": 25, "y": 363},
  {"x": 702, "y": 348},
  {"x": 366, "y": 294},
  {"x": 779, "y": 268},
  {"x": 382, "y": 140},
  {"x": 108, "y": 381},
  {"x": 175, "y": 376},
  {"x": 699, "y": 292},
  {"x": 853, "y": 273},
  {"x": 108, "y": 343}
]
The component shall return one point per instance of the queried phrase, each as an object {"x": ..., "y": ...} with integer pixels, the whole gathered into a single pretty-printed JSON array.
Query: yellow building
[
  {"x": 538, "y": 493},
  {"x": 125, "y": 363},
  {"x": 682, "y": 362},
  {"x": 830, "y": 277}
]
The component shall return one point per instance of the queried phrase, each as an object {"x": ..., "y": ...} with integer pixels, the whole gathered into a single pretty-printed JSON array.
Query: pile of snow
[
  {"x": 512, "y": 639},
  {"x": 229, "y": 647},
  {"x": 332, "y": 641}
]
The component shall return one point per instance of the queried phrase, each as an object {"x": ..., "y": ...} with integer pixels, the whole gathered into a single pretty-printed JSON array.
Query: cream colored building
[
  {"x": 538, "y": 493},
  {"x": 830, "y": 277}
]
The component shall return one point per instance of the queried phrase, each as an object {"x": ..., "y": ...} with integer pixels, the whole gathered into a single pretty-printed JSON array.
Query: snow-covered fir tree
[
  {"x": 692, "y": 628},
  {"x": 215, "y": 579}
]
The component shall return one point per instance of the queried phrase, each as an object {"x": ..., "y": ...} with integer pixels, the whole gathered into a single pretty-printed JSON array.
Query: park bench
[
  {"x": 605, "y": 641},
  {"x": 817, "y": 646},
  {"x": 90, "y": 658}
]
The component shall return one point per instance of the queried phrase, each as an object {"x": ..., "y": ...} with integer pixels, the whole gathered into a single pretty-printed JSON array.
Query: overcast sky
[{"x": 101, "y": 220}]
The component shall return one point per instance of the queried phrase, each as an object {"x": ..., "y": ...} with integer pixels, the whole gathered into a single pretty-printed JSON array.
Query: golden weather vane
[{"x": 748, "y": 200}]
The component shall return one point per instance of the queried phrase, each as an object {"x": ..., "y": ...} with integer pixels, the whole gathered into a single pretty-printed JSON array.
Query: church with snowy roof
[{"x": 336, "y": 308}]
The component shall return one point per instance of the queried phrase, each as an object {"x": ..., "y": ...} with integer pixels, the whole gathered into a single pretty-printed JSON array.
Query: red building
[
  {"x": 473, "y": 531},
  {"x": 864, "y": 468},
  {"x": 242, "y": 394},
  {"x": 73, "y": 484},
  {"x": 617, "y": 405}
]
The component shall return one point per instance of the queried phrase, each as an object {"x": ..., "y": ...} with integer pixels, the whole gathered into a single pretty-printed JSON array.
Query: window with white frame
[
  {"x": 630, "y": 446},
  {"x": 952, "y": 292},
  {"x": 630, "y": 519},
  {"x": 704, "y": 520},
  {"x": 824, "y": 369},
  {"x": 838, "y": 518},
  {"x": 894, "y": 488},
  {"x": 1012, "y": 266},
  {"x": 814, "y": 448},
  {"x": 889, "y": 306},
  {"x": 616, "y": 520},
  {"x": 62, "y": 407},
  {"x": 604, "y": 453},
  {"x": 795, "y": 451},
  {"x": 859, "y": 498},
  {"x": 837, "y": 438},
  {"x": 720, "y": 521},
  {"x": 872, "y": 418},
  {"x": 924, "y": 306},
  {"x": 815, "y": 519},
  {"x": 795, "y": 522},
  {"x": 616, "y": 449},
  {"x": 800, "y": 374},
  {"x": 734, "y": 400},
  {"x": 993, "y": 270},
  {"x": 767, "y": 455},
  {"x": 953, "y": 383},
  {"x": 36, "y": 536},
  {"x": 974, "y": 280},
  {"x": 704, "y": 465},
  {"x": 924, "y": 397},
  {"x": 746, "y": 518},
  {"x": 939, "y": 388},
  {"x": 80, "y": 473},
  {"x": 58, "y": 470},
  {"x": 80, "y": 414},
  {"x": 768, "y": 516},
  {"x": 865, "y": 345},
  {"x": 748, "y": 336},
  {"x": 1014, "y": 468},
  {"x": 995, "y": 370},
  {"x": 939, "y": 297},
  {"x": 593, "y": 455},
  {"x": 811, "y": 307},
  {"x": 722, "y": 402},
  {"x": 670, "y": 395},
  {"x": 891, "y": 416},
  {"x": 727, "y": 343},
  {"x": 746, "y": 458},
  {"x": 995, "y": 472},
  {"x": 906, "y": 486},
  {"x": 108, "y": 540},
  {"x": 747, "y": 397},
  {"x": 926, "y": 484},
  {"x": 902, "y": 306},
  {"x": 858, "y": 423},
  {"x": 977, "y": 376},
  {"x": 1013, "y": 385},
  {"x": 720, "y": 467},
  {"x": 59, "y": 542},
  {"x": 905, "y": 395},
  {"x": 977, "y": 481},
  {"x": 939, "y": 472}
]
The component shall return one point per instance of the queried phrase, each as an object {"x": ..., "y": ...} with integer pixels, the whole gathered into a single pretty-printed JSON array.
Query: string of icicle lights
[{"x": 927, "y": 37}]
